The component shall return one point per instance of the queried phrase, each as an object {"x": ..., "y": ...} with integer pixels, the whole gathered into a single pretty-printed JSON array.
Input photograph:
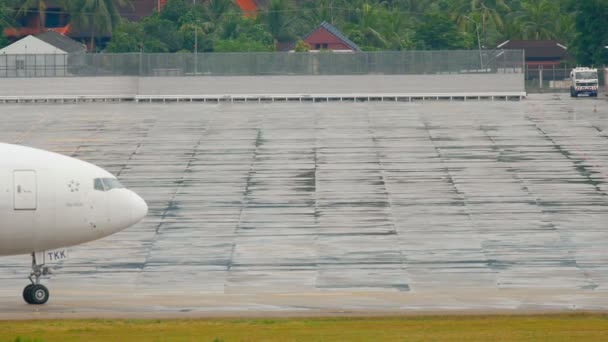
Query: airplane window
[
  {"x": 99, "y": 185},
  {"x": 112, "y": 183},
  {"x": 107, "y": 184}
]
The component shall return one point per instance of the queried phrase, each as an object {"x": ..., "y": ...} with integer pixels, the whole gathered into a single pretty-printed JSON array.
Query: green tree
[
  {"x": 537, "y": 19},
  {"x": 128, "y": 37},
  {"x": 364, "y": 25},
  {"x": 278, "y": 18},
  {"x": 215, "y": 10},
  {"x": 397, "y": 30},
  {"x": 302, "y": 46},
  {"x": 239, "y": 33},
  {"x": 174, "y": 10},
  {"x": 438, "y": 32},
  {"x": 591, "y": 32},
  {"x": 96, "y": 16},
  {"x": 490, "y": 12},
  {"x": 152, "y": 34},
  {"x": 203, "y": 25},
  {"x": 240, "y": 45},
  {"x": 5, "y": 21},
  {"x": 373, "y": 25},
  {"x": 161, "y": 35},
  {"x": 565, "y": 27},
  {"x": 317, "y": 11},
  {"x": 487, "y": 14}
]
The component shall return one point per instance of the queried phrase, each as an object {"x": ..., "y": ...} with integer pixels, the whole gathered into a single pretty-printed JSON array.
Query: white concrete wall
[
  {"x": 54, "y": 86},
  {"x": 262, "y": 85},
  {"x": 372, "y": 84},
  {"x": 606, "y": 80}
]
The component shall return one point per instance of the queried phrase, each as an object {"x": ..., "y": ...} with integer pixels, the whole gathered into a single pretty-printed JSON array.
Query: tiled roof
[
  {"x": 62, "y": 42},
  {"x": 247, "y": 5},
  {"x": 538, "y": 49},
  {"x": 333, "y": 30}
]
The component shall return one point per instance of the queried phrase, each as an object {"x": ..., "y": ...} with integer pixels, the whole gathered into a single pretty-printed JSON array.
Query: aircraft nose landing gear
[{"x": 36, "y": 293}]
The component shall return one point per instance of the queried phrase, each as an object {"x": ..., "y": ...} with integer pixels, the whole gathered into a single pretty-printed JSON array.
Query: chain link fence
[
  {"x": 264, "y": 64},
  {"x": 547, "y": 79}
]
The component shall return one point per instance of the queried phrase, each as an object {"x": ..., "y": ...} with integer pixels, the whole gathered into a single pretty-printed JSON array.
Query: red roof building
[{"x": 328, "y": 37}]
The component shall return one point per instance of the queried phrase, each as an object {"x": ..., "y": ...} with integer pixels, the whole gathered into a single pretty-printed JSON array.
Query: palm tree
[
  {"x": 485, "y": 13},
  {"x": 215, "y": 9},
  {"x": 565, "y": 27},
  {"x": 6, "y": 15},
  {"x": 366, "y": 21},
  {"x": 96, "y": 16},
  {"x": 278, "y": 19},
  {"x": 396, "y": 30},
  {"x": 489, "y": 12},
  {"x": 537, "y": 19},
  {"x": 318, "y": 11}
]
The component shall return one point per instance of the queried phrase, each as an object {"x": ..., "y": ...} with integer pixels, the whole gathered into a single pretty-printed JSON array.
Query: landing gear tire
[
  {"x": 36, "y": 294},
  {"x": 26, "y": 293}
]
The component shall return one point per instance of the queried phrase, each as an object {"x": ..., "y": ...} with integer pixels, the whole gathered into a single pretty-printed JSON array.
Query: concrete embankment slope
[{"x": 269, "y": 86}]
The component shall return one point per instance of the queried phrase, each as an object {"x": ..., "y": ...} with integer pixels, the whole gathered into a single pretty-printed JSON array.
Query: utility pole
[{"x": 478, "y": 40}]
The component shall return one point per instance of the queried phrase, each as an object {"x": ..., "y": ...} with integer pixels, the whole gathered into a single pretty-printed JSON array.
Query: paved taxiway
[{"x": 334, "y": 207}]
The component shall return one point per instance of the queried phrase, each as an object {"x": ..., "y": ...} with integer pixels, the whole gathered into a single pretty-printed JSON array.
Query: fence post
[{"x": 141, "y": 60}]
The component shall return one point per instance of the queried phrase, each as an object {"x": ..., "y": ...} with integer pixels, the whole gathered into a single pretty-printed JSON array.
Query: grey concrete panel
[
  {"x": 324, "y": 208},
  {"x": 68, "y": 86},
  {"x": 362, "y": 84}
]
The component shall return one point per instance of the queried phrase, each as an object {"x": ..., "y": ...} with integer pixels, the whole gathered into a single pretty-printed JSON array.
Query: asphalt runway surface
[{"x": 333, "y": 208}]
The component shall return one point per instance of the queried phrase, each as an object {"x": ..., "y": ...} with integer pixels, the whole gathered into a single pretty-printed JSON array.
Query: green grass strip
[{"x": 562, "y": 327}]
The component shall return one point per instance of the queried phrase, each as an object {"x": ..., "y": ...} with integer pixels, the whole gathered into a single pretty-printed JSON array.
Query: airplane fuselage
[{"x": 50, "y": 201}]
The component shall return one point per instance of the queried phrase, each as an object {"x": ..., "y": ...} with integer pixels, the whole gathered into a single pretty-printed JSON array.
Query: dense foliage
[
  {"x": 5, "y": 21},
  {"x": 591, "y": 27},
  {"x": 219, "y": 25}
]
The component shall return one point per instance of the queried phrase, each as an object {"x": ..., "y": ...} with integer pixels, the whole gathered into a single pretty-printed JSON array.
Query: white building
[{"x": 46, "y": 54}]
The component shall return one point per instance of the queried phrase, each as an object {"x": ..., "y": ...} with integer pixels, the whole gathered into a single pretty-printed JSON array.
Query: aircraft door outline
[{"x": 25, "y": 190}]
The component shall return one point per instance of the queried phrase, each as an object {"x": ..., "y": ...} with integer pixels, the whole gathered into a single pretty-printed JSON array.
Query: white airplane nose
[{"x": 139, "y": 208}]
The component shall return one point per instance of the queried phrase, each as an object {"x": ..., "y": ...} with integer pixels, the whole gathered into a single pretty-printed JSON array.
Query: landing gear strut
[{"x": 36, "y": 293}]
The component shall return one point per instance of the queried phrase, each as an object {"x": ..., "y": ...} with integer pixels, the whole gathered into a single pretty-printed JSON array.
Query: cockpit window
[
  {"x": 99, "y": 185},
  {"x": 107, "y": 184},
  {"x": 112, "y": 183}
]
